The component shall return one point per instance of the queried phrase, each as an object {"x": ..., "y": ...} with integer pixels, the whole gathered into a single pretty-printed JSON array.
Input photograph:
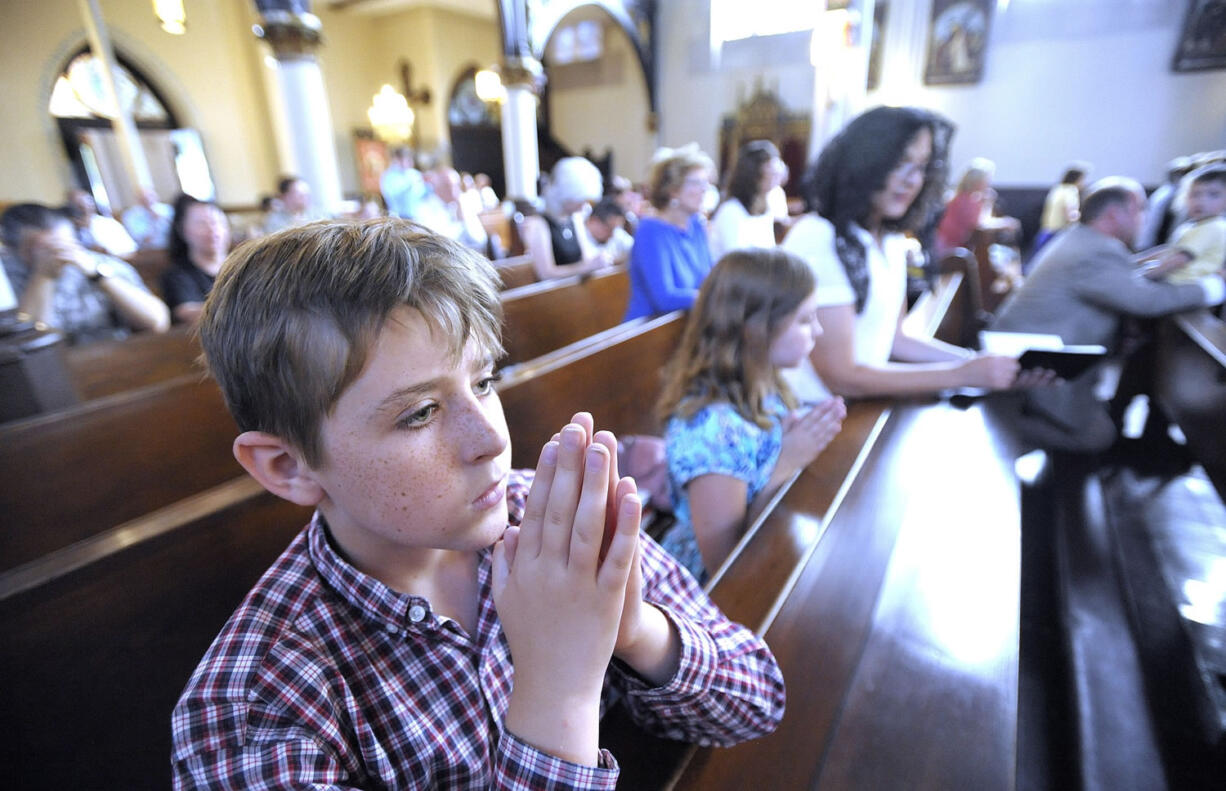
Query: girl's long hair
[
  {"x": 725, "y": 349},
  {"x": 855, "y": 165}
]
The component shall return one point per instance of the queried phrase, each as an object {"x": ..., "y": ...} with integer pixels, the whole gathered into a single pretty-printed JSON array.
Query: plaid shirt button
[{"x": 417, "y": 613}]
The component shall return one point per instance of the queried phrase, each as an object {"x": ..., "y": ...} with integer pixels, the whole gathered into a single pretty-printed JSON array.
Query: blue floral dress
[{"x": 717, "y": 439}]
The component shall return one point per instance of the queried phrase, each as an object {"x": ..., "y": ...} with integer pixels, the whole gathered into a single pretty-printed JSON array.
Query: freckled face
[
  {"x": 796, "y": 337},
  {"x": 416, "y": 451}
]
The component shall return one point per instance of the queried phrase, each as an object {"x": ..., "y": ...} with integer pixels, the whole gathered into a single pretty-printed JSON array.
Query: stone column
[
  {"x": 300, "y": 104},
  {"x": 839, "y": 53},
  {"x": 130, "y": 150},
  {"x": 523, "y": 77}
]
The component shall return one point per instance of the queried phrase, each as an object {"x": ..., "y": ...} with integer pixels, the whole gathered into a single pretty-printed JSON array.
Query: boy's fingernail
[
  {"x": 595, "y": 457},
  {"x": 549, "y": 455},
  {"x": 572, "y": 437}
]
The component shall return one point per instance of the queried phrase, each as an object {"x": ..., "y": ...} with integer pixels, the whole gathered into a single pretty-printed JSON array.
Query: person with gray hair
[
  {"x": 1082, "y": 286},
  {"x": 552, "y": 237}
]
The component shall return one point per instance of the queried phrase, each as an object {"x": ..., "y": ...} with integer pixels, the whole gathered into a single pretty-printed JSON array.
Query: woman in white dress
[
  {"x": 743, "y": 220},
  {"x": 876, "y": 181}
]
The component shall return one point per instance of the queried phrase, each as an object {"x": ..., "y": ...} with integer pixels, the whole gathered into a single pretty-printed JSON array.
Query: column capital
[
  {"x": 291, "y": 35},
  {"x": 523, "y": 71}
]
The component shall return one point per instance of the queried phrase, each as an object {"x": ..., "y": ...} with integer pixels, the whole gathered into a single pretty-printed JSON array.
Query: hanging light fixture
[
  {"x": 171, "y": 15},
  {"x": 489, "y": 86},
  {"x": 390, "y": 116}
]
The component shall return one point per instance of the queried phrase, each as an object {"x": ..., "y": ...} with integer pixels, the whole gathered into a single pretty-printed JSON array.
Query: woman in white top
[
  {"x": 743, "y": 221},
  {"x": 878, "y": 179}
]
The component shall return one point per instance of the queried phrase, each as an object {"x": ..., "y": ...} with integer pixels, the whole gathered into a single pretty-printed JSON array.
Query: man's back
[{"x": 1082, "y": 284}]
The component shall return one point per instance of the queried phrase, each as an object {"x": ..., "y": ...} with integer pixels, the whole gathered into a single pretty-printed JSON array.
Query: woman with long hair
[
  {"x": 199, "y": 243},
  {"x": 879, "y": 179},
  {"x": 744, "y": 220},
  {"x": 735, "y": 432}
]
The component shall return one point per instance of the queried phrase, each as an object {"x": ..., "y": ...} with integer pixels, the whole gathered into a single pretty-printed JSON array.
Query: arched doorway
[
  {"x": 475, "y": 128},
  {"x": 597, "y": 92},
  {"x": 83, "y": 113}
]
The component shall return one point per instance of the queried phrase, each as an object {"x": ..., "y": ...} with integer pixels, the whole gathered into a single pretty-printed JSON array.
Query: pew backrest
[
  {"x": 69, "y": 475},
  {"x": 108, "y": 367},
  {"x": 545, "y": 316},
  {"x": 615, "y": 375},
  {"x": 516, "y": 271}
]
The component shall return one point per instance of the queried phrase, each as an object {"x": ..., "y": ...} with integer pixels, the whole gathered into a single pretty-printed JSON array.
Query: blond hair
[
  {"x": 669, "y": 167},
  {"x": 292, "y": 317}
]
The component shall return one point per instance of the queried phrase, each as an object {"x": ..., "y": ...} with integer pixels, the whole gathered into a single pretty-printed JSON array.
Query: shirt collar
[{"x": 393, "y": 610}]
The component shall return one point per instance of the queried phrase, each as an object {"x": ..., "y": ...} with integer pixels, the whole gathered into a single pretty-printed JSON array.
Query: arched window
[
  {"x": 79, "y": 93},
  {"x": 84, "y": 111}
]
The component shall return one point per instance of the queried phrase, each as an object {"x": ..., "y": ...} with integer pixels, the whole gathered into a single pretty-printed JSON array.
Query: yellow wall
[
  {"x": 612, "y": 114},
  {"x": 439, "y": 45},
  {"x": 208, "y": 75}
]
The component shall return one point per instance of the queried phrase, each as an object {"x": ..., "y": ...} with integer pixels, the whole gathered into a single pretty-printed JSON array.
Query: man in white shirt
[
  {"x": 148, "y": 221},
  {"x": 96, "y": 232},
  {"x": 604, "y": 233}
]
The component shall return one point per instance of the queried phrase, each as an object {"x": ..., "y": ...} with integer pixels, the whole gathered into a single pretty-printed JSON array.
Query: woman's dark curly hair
[
  {"x": 746, "y": 180},
  {"x": 854, "y": 166}
]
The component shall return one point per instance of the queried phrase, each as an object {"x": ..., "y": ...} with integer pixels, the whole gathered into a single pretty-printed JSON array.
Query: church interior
[{"x": 949, "y": 607}]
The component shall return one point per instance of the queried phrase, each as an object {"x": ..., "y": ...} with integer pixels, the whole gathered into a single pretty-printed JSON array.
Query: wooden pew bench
[
  {"x": 614, "y": 375},
  {"x": 72, "y": 474},
  {"x": 101, "y": 637},
  {"x": 898, "y": 635},
  {"x": 515, "y": 271},
  {"x": 108, "y": 367},
  {"x": 542, "y": 317},
  {"x": 761, "y": 579}
]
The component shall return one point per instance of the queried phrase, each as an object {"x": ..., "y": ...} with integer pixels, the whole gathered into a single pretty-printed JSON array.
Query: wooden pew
[
  {"x": 898, "y": 636},
  {"x": 545, "y": 316},
  {"x": 761, "y": 577},
  {"x": 69, "y": 475},
  {"x": 108, "y": 367},
  {"x": 515, "y": 271},
  {"x": 614, "y": 375},
  {"x": 101, "y": 637},
  {"x": 1190, "y": 385},
  {"x": 995, "y": 284},
  {"x": 540, "y": 317},
  {"x": 151, "y": 265}
]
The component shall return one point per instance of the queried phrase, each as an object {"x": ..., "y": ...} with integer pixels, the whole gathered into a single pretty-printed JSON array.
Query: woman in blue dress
[
  {"x": 734, "y": 431},
  {"x": 670, "y": 256}
]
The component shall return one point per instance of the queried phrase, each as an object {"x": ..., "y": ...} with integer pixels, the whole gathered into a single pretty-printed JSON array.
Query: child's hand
[
  {"x": 560, "y": 605},
  {"x": 807, "y": 435}
]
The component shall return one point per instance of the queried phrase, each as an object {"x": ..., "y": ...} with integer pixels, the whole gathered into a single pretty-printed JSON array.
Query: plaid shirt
[{"x": 325, "y": 677}]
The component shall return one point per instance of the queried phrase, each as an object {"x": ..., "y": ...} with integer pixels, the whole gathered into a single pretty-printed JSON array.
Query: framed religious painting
[
  {"x": 957, "y": 41},
  {"x": 1202, "y": 42}
]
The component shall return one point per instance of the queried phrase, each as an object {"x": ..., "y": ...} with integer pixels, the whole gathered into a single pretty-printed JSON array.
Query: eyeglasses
[{"x": 905, "y": 170}]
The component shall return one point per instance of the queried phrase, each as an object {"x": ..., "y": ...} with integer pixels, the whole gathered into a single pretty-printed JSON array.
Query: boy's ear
[{"x": 278, "y": 467}]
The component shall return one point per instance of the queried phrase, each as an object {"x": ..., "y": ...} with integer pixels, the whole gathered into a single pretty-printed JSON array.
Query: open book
[{"x": 1036, "y": 350}]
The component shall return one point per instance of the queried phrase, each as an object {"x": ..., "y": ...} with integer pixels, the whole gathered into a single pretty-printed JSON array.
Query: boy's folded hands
[{"x": 566, "y": 585}]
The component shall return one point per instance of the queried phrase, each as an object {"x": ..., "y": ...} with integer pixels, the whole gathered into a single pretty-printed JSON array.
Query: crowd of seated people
[{"x": 776, "y": 337}]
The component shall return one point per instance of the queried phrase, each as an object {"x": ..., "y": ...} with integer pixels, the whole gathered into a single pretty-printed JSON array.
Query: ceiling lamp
[
  {"x": 171, "y": 15},
  {"x": 390, "y": 116}
]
